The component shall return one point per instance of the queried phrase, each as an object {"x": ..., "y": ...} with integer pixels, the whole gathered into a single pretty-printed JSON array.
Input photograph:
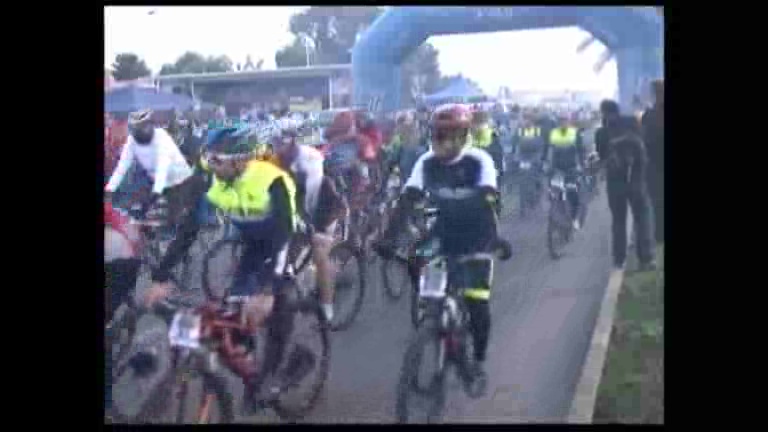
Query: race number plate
[
  {"x": 433, "y": 281},
  {"x": 185, "y": 330}
]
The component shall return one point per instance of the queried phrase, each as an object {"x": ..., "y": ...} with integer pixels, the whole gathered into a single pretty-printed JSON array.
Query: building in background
[{"x": 301, "y": 89}]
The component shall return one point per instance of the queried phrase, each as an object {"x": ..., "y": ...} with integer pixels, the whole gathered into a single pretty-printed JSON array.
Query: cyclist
[
  {"x": 567, "y": 156},
  {"x": 461, "y": 181},
  {"x": 259, "y": 198},
  {"x": 318, "y": 201},
  {"x": 121, "y": 268},
  {"x": 161, "y": 164}
]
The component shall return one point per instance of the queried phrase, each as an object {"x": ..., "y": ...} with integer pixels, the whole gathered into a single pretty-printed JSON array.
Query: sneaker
[{"x": 576, "y": 225}]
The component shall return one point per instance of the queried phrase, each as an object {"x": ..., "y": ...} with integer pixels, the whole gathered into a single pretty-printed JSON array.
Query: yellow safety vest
[
  {"x": 483, "y": 137},
  {"x": 247, "y": 198},
  {"x": 558, "y": 138},
  {"x": 531, "y": 132}
]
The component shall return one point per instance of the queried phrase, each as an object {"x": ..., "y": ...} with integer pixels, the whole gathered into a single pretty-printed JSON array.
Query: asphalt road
[{"x": 543, "y": 313}]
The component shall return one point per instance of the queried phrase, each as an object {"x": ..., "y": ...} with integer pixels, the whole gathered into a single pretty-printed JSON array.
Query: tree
[
  {"x": 291, "y": 56},
  {"x": 192, "y": 62},
  {"x": 420, "y": 74},
  {"x": 448, "y": 80},
  {"x": 128, "y": 66},
  {"x": 333, "y": 30}
]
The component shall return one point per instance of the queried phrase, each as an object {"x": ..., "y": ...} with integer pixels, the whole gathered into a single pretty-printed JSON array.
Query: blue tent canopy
[
  {"x": 129, "y": 99},
  {"x": 459, "y": 90}
]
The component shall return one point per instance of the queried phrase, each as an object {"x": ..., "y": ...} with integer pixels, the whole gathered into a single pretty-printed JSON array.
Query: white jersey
[
  {"x": 308, "y": 168},
  {"x": 161, "y": 159}
]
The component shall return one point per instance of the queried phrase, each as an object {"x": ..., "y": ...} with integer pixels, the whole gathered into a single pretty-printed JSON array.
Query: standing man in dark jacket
[
  {"x": 622, "y": 153},
  {"x": 653, "y": 132}
]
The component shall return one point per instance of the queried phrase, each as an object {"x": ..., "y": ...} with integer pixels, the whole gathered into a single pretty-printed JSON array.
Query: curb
[
  {"x": 583, "y": 404},
  {"x": 585, "y": 395}
]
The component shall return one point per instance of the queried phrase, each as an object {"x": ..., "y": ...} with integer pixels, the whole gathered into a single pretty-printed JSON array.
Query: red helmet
[{"x": 452, "y": 116}]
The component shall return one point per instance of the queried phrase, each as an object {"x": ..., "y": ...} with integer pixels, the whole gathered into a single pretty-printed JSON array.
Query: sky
[{"x": 529, "y": 60}]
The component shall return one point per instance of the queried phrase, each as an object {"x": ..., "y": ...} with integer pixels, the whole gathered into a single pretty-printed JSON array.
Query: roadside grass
[{"x": 632, "y": 386}]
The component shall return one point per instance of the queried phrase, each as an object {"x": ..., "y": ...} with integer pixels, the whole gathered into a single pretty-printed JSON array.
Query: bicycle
[
  {"x": 530, "y": 187},
  {"x": 345, "y": 253},
  {"x": 202, "y": 341},
  {"x": 417, "y": 228},
  {"x": 560, "y": 229},
  {"x": 119, "y": 331},
  {"x": 444, "y": 325}
]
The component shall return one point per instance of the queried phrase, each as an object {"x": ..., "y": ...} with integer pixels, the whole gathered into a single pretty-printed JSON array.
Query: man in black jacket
[
  {"x": 622, "y": 153},
  {"x": 653, "y": 132}
]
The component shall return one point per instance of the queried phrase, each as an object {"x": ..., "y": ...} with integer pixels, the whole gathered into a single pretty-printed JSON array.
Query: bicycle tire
[
  {"x": 214, "y": 389},
  {"x": 310, "y": 308},
  {"x": 141, "y": 407},
  {"x": 417, "y": 313},
  {"x": 394, "y": 290},
  {"x": 354, "y": 254},
  {"x": 408, "y": 381},
  {"x": 554, "y": 228},
  {"x": 125, "y": 329},
  {"x": 215, "y": 290}
]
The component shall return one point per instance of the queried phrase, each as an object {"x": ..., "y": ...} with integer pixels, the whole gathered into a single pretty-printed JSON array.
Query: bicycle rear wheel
[
  {"x": 349, "y": 284},
  {"x": 219, "y": 267},
  {"x": 425, "y": 396}
]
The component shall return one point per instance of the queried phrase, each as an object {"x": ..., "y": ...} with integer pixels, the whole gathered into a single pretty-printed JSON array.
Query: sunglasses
[{"x": 218, "y": 159}]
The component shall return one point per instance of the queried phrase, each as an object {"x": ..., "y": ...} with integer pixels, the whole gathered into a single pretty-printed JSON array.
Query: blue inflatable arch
[{"x": 634, "y": 34}]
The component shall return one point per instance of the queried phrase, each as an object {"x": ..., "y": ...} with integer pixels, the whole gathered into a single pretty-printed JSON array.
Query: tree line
[{"x": 322, "y": 35}]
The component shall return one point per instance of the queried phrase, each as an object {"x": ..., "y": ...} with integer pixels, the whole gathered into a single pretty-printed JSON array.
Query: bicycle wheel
[
  {"x": 417, "y": 305},
  {"x": 192, "y": 396},
  {"x": 349, "y": 285},
  {"x": 423, "y": 395},
  {"x": 219, "y": 267},
  {"x": 557, "y": 233},
  {"x": 394, "y": 276},
  {"x": 135, "y": 392},
  {"x": 307, "y": 359},
  {"x": 120, "y": 334},
  {"x": 200, "y": 398}
]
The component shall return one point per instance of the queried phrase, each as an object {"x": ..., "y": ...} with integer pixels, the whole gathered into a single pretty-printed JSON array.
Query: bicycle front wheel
[
  {"x": 193, "y": 397},
  {"x": 421, "y": 396},
  {"x": 349, "y": 285}
]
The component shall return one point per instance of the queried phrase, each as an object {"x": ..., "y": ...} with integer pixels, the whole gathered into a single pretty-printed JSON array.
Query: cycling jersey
[
  {"x": 247, "y": 199},
  {"x": 261, "y": 204},
  {"x": 460, "y": 189},
  {"x": 161, "y": 159}
]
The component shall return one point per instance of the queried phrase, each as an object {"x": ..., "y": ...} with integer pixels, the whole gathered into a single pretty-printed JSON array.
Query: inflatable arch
[{"x": 634, "y": 34}]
